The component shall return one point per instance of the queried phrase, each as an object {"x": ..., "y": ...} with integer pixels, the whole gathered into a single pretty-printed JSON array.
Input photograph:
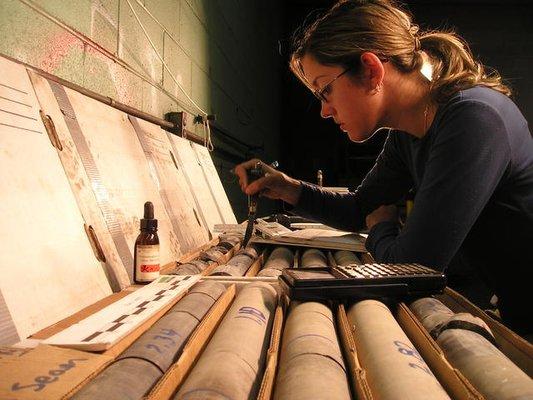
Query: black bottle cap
[{"x": 149, "y": 222}]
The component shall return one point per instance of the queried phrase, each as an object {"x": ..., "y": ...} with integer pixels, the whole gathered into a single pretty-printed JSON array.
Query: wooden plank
[
  {"x": 118, "y": 172},
  {"x": 48, "y": 267},
  {"x": 124, "y": 172},
  {"x": 81, "y": 184},
  {"x": 215, "y": 184},
  {"x": 175, "y": 192},
  {"x": 189, "y": 161}
]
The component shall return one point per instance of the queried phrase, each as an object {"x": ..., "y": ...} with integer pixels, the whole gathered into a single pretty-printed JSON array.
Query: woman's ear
[{"x": 373, "y": 71}]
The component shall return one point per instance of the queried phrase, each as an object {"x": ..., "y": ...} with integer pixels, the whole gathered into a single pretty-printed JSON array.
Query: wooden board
[
  {"x": 81, "y": 184},
  {"x": 173, "y": 187},
  {"x": 48, "y": 267},
  {"x": 132, "y": 153},
  {"x": 125, "y": 182},
  {"x": 188, "y": 159},
  {"x": 215, "y": 184}
]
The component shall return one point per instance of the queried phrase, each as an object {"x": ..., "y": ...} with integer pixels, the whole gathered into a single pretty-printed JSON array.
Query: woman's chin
[{"x": 358, "y": 137}]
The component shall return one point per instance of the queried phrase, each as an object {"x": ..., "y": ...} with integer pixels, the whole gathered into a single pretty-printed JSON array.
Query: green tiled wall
[{"x": 225, "y": 57}]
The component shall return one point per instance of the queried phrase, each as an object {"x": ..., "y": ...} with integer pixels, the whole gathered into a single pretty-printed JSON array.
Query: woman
[{"x": 456, "y": 138}]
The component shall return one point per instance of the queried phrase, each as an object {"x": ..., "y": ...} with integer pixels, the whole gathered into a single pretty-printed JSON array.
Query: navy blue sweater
[{"x": 473, "y": 177}]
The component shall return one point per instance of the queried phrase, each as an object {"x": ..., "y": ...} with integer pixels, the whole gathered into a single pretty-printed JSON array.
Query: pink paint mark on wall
[
  {"x": 66, "y": 56},
  {"x": 60, "y": 49}
]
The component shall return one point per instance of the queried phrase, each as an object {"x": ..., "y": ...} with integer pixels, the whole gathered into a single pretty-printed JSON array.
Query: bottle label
[{"x": 147, "y": 263}]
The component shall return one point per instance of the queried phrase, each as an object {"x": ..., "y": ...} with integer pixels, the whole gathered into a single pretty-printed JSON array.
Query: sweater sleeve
[
  {"x": 466, "y": 162},
  {"x": 386, "y": 183}
]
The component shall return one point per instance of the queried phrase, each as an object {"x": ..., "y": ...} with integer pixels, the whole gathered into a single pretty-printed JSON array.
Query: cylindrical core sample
[
  {"x": 345, "y": 257},
  {"x": 251, "y": 251},
  {"x": 311, "y": 364},
  {"x": 222, "y": 249},
  {"x": 186, "y": 269},
  {"x": 394, "y": 369},
  {"x": 211, "y": 289},
  {"x": 197, "y": 301},
  {"x": 238, "y": 264},
  {"x": 138, "y": 368},
  {"x": 232, "y": 365},
  {"x": 201, "y": 263},
  {"x": 486, "y": 367},
  {"x": 126, "y": 379},
  {"x": 228, "y": 241},
  {"x": 212, "y": 254},
  {"x": 431, "y": 312},
  {"x": 164, "y": 340},
  {"x": 314, "y": 258},
  {"x": 233, "y": 239},
  {"x": 191, "y": 268},
  {"x": 227, "y": 245},
  {"x": 279, "y": 259}
]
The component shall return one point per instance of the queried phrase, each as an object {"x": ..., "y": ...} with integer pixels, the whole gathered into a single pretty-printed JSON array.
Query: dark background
[{"x": 500, "y": 34}]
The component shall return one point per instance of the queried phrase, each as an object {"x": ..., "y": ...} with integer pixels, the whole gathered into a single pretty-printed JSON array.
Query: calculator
[{"x": 361, "y": 281}]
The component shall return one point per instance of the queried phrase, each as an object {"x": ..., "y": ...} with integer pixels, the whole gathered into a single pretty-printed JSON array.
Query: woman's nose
[{"x": 326, "y": 111}]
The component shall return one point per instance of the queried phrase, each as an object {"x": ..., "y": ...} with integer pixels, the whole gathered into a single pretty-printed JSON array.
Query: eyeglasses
[{"x": 321, "y": 94}]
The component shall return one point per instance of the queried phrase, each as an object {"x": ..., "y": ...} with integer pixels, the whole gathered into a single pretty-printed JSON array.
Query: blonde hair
[{"x": 382, "y": 27}]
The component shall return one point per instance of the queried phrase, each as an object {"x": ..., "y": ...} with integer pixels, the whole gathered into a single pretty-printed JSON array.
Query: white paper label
[{"x": 147, "y": 263}]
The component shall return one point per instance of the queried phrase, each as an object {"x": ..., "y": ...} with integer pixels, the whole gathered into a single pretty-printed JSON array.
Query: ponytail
[
  {"x": 454, "y": 67},
  {"x": 382, "y": 27}
]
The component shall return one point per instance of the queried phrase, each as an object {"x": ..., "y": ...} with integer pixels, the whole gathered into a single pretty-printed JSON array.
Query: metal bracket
[
  {"x": 181, "y": 120},
  {"x": 95, "y": 244},
  {"x": 51, "y": 130}
]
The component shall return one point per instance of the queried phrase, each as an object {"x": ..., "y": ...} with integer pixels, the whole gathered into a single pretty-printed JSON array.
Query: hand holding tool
[{"x": 253, "y": 174}]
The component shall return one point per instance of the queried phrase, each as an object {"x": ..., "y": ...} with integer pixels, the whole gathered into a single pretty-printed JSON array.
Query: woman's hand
[
  {"x": 274, "y": 185},
  {"x": 380, "y": 214}
]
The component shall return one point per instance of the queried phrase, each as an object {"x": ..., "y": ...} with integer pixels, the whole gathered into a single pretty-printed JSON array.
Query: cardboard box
[
  {"x": 47, "y": 372},
  {"x": 29, "y": 364},
  {"x": 37, "y": 368}
]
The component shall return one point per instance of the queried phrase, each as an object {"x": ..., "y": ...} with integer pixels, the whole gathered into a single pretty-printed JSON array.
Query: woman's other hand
[{"x": 380, "y": 214}]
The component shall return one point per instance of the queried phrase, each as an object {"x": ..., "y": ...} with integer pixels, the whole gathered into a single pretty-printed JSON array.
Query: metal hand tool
[{"x": 253, "y": 174}]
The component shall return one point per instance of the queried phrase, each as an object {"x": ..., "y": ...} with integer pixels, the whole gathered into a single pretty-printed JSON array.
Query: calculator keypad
[{"x": 384, "y": 270}]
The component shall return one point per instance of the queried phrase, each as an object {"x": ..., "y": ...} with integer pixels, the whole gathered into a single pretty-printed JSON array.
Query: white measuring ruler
[{"x": 106, "y": 327}]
